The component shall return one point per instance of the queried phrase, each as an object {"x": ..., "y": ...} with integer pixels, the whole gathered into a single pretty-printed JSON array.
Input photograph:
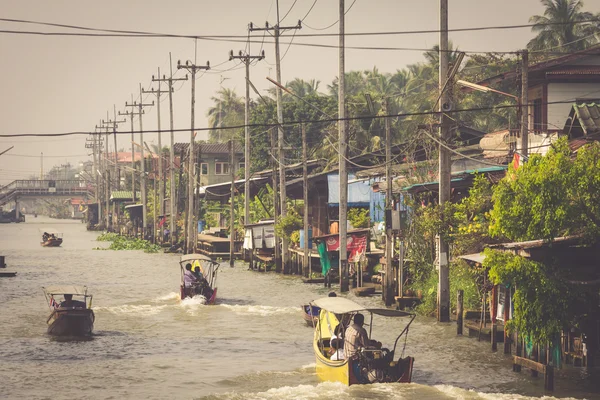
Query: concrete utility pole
[
  {"x": 305, "y": 259},
  {"x": 277, "y": 30},
  {"x": 231, "y": 203},
  {"x": 246, "y": 59},
  {"x": 191, "y": 242},
  {"x": 275, "y": 197},
  {"x": 343, "y": 150},
  {"x": 42, "y": 164},
  {"x": 172, "y": 190},
  {"x": 161, "y": 197},
  {"x": 388, "y": 281},
  {"x": 133, "y": 170},
  {"x": 106, "y": 174},
  {"x": 525, "y": 104},
  {"x": 443, "y": 294},
  {"x": 140, "y": 106}
]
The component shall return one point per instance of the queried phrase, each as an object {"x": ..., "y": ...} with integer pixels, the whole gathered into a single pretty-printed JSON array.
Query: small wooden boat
[
  {"x": 205, "y": 281},
  {"x": 372, "y": 364},
  {"x": 310, "y": 314},
  {"x": 70, "y": 317},
  {"x": 51, "y": 238}
]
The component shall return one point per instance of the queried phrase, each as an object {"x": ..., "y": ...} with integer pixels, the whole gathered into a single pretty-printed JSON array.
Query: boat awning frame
[{"x": 341, "y": 305}]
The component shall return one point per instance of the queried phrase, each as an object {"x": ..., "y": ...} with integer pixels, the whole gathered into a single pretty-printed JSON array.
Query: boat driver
[{"x": 68, "y": 302}]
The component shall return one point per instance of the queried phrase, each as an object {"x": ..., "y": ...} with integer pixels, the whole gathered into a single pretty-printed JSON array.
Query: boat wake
[
  {"x": 264, "y": 311},
  {"x": 167, "y": 297},
  {"x": 193, "y": 301},
  {"x": 139, "y": 309}
]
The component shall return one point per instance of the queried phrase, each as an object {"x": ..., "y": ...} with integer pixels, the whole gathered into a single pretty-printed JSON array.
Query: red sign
[{"x": 356, "y": 244}]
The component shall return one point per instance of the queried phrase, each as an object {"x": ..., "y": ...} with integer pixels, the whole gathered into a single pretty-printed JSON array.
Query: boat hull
[
  {"x": 311, "y": 314},
  {"x": 189, "y": 292},
  {"x": 343, "y": 371},
  {"x": 71, "y": 322},
  {"x": 52, "y": 242}
]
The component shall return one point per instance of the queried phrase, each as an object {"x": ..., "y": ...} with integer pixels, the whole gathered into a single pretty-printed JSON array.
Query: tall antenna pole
[
  {"x": 343, "y": 150},
  {"x": 191, "y": 240}
]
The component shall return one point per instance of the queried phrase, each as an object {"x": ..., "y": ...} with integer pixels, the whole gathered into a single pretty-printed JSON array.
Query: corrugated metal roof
[
  {"x": 584, "y": 70},
  {"x": 210, "y": 148},
  {"x": 530, "y": 244},
  {"x": 124, "y": 195}
]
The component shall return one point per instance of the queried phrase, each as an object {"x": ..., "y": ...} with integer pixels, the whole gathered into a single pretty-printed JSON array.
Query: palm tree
[
  {"x": 228, "y": 110},
  {"x": 561, "y": 27}
]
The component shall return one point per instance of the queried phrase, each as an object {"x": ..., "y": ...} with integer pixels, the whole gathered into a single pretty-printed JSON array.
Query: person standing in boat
[{"x": 189, "y": 279}]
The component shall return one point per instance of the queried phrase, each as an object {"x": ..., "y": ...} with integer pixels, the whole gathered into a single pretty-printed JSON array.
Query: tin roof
[
  {"x": 209, "y": 148},
  {"x": 124, "y": 195}
]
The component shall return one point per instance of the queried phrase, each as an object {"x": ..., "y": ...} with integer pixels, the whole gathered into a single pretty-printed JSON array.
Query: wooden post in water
[
  {"x": 516, "y": 367},
  {"x": 493, "y": 308},
  {"x": 507, "y": 304},
  {"x": 459, "y": 312},
  {"x": 534, "y": 356}
]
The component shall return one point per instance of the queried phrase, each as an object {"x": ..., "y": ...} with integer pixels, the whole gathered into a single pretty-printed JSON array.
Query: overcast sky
[{"x": 56, "y": 84}]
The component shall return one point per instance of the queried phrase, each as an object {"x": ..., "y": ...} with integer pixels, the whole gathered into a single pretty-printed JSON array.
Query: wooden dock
[{"x": 216, "y": 247}]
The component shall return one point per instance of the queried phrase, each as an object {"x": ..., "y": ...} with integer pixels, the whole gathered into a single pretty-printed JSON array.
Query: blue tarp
[{"x": 360, "y": 194}]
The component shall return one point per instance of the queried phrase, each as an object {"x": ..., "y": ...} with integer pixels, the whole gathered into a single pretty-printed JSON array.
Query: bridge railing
[{"x": 41, "y": 186}]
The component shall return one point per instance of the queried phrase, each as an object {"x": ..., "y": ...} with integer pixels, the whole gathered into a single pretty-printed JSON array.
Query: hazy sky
[{"x": 55, "y": 84}]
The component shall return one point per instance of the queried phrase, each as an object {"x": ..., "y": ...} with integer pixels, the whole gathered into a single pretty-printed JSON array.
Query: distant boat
[
  {"x": 206, "y": 285},
  {"x": 51, "y": 238},
  {"x": 70, "y": 317}
]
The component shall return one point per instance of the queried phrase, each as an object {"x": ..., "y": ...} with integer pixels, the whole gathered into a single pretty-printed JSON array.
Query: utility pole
[
  {"x": 275, "y": 197},
  {"x": 343, "y": 150},
  {"x": 105, "y": 174},
  {"x": 113, "y": 124},
  {"x": 133, "y": 170},
  {"x": 162, "y": 184},
  {"x": 172, "y": 190},
  {"x": 306, "y": 260},
  {"x": 140, "y": 112},
  {"x": 524, "y": 104},
  {"x": 388, "y": 296},
  {"x": 42, "y": 165},
  {"x": 231, "y": 203},
  {"x": 246, "y": 59},
  {"x": 443, "y": 294},
  {"x": 191, "y": 242},
  {"x": 277, "y": 30}
]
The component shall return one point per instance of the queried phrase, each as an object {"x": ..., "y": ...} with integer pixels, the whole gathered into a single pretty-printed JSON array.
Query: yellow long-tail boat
[{"x": 370, "y": 364}]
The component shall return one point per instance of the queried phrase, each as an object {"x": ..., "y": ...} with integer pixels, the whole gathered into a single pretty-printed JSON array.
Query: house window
[
  {"x": 241, "y": 165},
  {"x": 204, "y": 169},
  {"x": 221, "y": 168},
  {"x": 537, "y": 115}
]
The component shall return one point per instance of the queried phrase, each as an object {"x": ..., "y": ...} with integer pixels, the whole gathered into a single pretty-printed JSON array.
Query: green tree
[
  {"x": 228, "y": 110},
  {"x": 561, "y": 27},
  {"x": 550, "y": 196}
]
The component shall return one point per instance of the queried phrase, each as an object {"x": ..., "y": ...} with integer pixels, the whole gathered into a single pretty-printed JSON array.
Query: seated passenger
[
  {"x": 336, "y": 350},
  {"x": 189, "y": 279},
  {"x": 356, "y": 337}
]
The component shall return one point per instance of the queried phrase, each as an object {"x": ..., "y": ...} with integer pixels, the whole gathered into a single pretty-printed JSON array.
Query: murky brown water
[{"x": 252, "y": 345}]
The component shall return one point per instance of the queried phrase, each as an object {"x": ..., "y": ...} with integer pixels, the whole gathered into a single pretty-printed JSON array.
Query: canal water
[{"x": 253, "y": 344}]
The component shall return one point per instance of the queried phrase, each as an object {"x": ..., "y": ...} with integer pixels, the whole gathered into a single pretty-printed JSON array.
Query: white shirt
[{"x": 338, "y": 355}]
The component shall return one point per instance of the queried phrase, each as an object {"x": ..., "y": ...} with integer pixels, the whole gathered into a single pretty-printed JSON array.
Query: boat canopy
[
  {"x": 193, "y": 257},
  {"x": 340, "y": 305},
  {"x": 66, "y": 289}
]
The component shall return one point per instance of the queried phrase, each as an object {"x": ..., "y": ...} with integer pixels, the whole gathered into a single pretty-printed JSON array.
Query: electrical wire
[
  {"x": 286, "y": 14},
  {"x": 327, "y": 27},
  {"x": 309, "y": 10},
  {"x": 291, "y": 123}
]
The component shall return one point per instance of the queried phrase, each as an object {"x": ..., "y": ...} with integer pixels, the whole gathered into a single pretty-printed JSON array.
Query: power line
[
  {"x": 291, "y": 123},
  {"x": 327, "y": 27},
  {"x": 110, "y": 32},
  {"x": 287, "y": 13}
]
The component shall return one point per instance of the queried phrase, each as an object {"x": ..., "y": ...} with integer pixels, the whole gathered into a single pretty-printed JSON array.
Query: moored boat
[
  {"x": 70, "y": 317},
  {"x": 371, "y": 364},
  {"x": 203, "y": 281}
]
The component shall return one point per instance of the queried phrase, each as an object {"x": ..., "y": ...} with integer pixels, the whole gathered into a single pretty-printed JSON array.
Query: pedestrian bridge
[{"x": 43, "y": 188}]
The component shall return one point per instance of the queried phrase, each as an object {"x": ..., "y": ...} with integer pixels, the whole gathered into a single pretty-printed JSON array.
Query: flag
[
  {"x": 53, "y": 303},
  {"x": 516, "y": 160}
]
